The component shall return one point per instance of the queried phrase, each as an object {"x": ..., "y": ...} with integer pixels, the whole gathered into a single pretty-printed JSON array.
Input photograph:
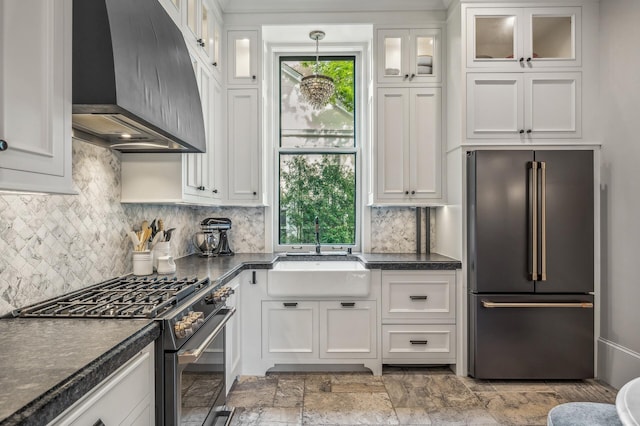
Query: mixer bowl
[{"x": 206, "y": 242}]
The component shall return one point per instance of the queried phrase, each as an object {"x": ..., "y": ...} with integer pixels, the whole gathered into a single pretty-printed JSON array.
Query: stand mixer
[{"x": 212, "y": 240}]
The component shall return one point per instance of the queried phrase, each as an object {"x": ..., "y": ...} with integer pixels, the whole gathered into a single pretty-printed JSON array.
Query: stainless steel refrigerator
[{"x": 530, "y": 264}]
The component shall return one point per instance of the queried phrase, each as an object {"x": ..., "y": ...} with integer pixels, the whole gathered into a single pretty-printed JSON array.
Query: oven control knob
[{"x": 180, "y": 329}]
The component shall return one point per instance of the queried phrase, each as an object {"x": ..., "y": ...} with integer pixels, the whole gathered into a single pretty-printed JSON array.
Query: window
[{"x": 317, "y": 158}]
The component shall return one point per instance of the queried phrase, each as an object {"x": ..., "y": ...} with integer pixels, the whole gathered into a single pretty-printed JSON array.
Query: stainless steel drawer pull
[
  {"x": 418, "y": 297},
  {"x": 348, "y": 304},
  {"x": 488, "y": 304},
  {"x": 418, "y": 342},
  {"x": 290, "y": 304}
]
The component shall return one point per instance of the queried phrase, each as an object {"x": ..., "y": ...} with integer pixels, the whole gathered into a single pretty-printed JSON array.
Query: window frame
[{"x": 356, "y": 150}]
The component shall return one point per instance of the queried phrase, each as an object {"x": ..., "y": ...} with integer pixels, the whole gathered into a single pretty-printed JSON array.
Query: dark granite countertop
[
  {"x": 39, "y": 383},
  {"x": 48, "y": 364},
  {"x": 222, "y": 269}
]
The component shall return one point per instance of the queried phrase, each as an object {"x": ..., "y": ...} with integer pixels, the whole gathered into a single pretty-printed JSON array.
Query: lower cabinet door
[
  {"x": 126, "y": 397},
  {"x": 289, "y": 329},
  {"x": 348, "y": 329},
  {"x": 418, "y": 344}
]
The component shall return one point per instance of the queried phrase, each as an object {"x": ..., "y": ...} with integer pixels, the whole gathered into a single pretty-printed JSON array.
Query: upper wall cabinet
[
  {"x": 35, "y": 95},
  {"x": 524, "y": 106},
  {"x": 242, "y": 57},
  {"x": 408, "y": 167},
  {"x": 202, "y": 31},
  {"x": 520, "y": 39},
  {"x": 408, "y": 56}
]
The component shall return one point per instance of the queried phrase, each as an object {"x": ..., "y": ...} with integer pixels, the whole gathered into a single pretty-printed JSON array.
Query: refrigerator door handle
[
  {"x": 534, "y": 220},
  {"x": 489, "y": 304},
  {"x": 543, "y": 222}
]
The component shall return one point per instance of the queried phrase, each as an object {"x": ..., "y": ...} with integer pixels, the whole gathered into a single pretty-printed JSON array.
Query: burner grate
[{"x": 125, "y": 297}]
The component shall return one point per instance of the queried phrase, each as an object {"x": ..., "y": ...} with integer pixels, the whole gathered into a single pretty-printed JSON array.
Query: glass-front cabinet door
[
  {"x": 523, "y": 38},
  {"x": 242, "y": 61},
  {"x": 408, "y": 55}
]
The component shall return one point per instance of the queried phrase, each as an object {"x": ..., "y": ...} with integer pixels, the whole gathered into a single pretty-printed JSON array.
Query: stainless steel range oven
[
  {"x": 193, "y": 354},
  {"x": 190, "y": 352}
]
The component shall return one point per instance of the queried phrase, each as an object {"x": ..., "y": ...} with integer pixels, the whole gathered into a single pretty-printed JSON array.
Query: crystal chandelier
[{"x": 317, "y": 88}]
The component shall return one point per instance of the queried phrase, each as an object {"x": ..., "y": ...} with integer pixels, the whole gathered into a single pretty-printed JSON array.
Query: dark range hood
[{"x": 134, "y": 87}]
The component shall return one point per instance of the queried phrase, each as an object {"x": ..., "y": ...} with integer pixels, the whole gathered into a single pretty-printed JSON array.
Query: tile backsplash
[{"x": 53, "y": 244}]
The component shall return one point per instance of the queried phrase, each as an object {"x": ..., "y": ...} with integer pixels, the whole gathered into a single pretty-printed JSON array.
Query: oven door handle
[{"x": 193, "y": 355}]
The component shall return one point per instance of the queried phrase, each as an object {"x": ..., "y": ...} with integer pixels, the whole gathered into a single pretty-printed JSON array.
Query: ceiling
[{"x": 279, "y": 6}]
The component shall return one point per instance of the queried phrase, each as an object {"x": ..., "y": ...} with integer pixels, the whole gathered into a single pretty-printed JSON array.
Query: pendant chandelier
[{"x": 317, "y": 88}]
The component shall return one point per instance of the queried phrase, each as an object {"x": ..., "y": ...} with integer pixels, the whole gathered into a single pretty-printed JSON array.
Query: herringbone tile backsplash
[{"x": 53, "y": 244}]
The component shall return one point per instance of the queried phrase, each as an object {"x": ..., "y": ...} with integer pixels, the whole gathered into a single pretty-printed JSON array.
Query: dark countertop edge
[
  {"x": 414, "y": 266},
  {"x": 46, "y": 407},
  {"x": 391, "y": 265},
  {"x": 388, "y": 265}
]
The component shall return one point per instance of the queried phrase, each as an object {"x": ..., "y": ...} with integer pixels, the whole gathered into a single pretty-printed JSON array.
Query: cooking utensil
[
  {"x": 158, "y": 237},
  {"x": 134, "y": 239},
  {"x": 168, "y": 234},
  {"x": 154, "y": 230}
]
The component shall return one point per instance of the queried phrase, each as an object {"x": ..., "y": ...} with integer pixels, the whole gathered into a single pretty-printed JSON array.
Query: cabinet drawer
[
  {"x": 423, "y": 296},
  {"x": 123, "y": 398},
  {"x": 418, "y": 344}
]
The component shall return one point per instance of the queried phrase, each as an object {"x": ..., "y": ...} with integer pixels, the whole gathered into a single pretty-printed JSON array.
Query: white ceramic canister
[
  {"x": 166, "y": 265},
  {"x": 142, "y": 263},
  {"x": 161, "y": 249}
]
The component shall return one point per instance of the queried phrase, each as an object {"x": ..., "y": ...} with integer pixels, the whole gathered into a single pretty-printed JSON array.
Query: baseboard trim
[{"x": 617, "y": 364}]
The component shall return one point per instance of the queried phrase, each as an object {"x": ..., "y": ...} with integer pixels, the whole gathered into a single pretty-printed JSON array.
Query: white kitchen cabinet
[
  {"x": 201, "y": 29},
  {"x": 35, "y": 96},
  {"x": 522, "y": 39},
  {"x": 408, "y": 162},
  {"x": 422, "y": 296},
  {"x": 306, "y": 330},
  {"x": 418, "y": 344},
  {"x": 243, "y": 62},
  {"x": 408, "y": 56},
  {"x": 348, "y": 329},
  {"x": 233, "y": 338},
  {"x": 524, "y": 106},
  {"x": 126, "y": 397},
  {"x": 244, "y": 147},
  {"x": 418, "y": 317},
  {"x": 290, "y": 330},
  {"x": 182, "y": 178}
]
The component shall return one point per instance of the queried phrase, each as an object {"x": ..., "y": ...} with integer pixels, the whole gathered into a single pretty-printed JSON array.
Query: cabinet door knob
[
  {"x": 215, "y": 64},
  {"x": 3, "y": 145},
  {"x": 529, "y": 131},
  {"x": 406, "y": 76},
  {"x": 406, "y": 192},
  {"x": 521, "y": 131},
  {"x": 253, "y": 77},
  {"x": 215, "y": 191},
  {"x": 413, "y": 192},
  {"x": 521, "y": 60},
  {"x": 528, "y": 59},
  {"x": 255, "y": 193},
  {"x": 412, "y": 76},
  {"x": 201, "y": 188}
]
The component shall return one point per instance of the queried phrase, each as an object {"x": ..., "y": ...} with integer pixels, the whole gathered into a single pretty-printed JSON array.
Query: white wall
[{"x": 620, "y": 191}]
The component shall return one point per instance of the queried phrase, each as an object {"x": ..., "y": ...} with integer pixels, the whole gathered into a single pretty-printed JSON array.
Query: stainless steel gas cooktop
[{"x": 123, "y": 297}]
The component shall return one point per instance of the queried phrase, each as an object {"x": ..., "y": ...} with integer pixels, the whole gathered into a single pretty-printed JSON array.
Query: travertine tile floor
[{"x": 402, "y": 397}]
